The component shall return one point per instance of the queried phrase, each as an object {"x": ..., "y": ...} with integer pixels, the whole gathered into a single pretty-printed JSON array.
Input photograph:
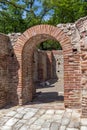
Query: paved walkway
[
  {"x": 36, "y": 118},
  {"x": 46, "y": 112}
]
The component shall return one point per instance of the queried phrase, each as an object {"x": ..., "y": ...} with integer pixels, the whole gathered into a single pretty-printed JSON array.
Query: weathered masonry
[
  {"x": 16, "y": 63},
  {"x": 48, "y": 65}
]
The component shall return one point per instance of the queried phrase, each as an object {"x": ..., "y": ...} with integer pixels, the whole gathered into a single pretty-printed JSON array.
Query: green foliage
[
  {"x": 18, "y": 15},
  {"x": 68, "y": 11},
  {"x": 50, "y": 45},
  {"x": 10, "y": 17}
]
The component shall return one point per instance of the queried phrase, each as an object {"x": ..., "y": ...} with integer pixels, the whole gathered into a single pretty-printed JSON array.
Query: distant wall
[
  {"x": 58, "y": 66},
  {"x": 48, "y": 65}
]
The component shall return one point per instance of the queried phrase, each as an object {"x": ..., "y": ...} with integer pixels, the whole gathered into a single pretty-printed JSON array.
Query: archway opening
[
  {"x": 43, "y": 69},
  {"x": 48, "y": 73}
]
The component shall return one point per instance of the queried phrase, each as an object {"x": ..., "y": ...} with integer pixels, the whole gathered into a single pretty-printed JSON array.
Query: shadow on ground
[{"x": 47, "y": 97}]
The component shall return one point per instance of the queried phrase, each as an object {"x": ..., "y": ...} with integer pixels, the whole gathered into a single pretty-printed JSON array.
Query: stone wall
[
  {"x": 58, "y": 66},
  {"x": 74, "y": 91},
  {"x": 81, "y": 25}
]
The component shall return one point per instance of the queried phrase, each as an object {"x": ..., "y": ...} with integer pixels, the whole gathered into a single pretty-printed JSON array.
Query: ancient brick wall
[
  {"x": 48, "y": 65},
  {"x": 8, "y": 72},
  {"x": 24, "y": 50},
  {"x": 5, "y": 48},
  {"x": 74, "y": 65},
  {"x": 42, "y": 71},
  {"x": 70, "y": 53},
  {"x": 73, "y": 39},
  {"x": 35, "y": 66}
]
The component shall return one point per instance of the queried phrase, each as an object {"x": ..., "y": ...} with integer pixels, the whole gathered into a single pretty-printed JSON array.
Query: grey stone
[
  {"x": 46, "y": 117},
  {"x": 50, "y": 112},
  {"x": 6, "y": 128},
  {"x": 83, "y": 128},
  {"x": 45, "y": 129},
  {"x": 4, "y": 120},
  {"x": 65, "y": 121},
  {"x": 69, "y": 110},
  {"x": 31, "y": 110},
  {"x": 11, "y": 122},
  {"x": 54, "y": 126},
  {"x": 74, "y": 124},
  {"x": 28, "y": 115},
  {"x": 20, "y": 109},
  {"x": 17, "y": 126},
  {"x": 11, "y": 113},
  {"x": 84, "y": 121},
  {"x": 24, "y": 127},
  {"x": 35, "y": 127},
  {"x": 57, "y": 117},
  {"x": 39, "y": 122},
  {"x": 62, "y": 128},
  {"x": 31, "y": 121},
  {"x": 22, "y": 121},
  {"x": 46, "y": 124},
  {"x": 67, "y": 114},
  {"x": 19, "y": 115},
  {"x": 71, "y": 129},
  {"x": 40, "y": 112},
  {"x": 59, "y": 112}
]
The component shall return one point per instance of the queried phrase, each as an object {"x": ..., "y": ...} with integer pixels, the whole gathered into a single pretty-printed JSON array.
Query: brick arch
[
  {"x": 24, "y": 49},
  {"x": 50, "y": 30}
]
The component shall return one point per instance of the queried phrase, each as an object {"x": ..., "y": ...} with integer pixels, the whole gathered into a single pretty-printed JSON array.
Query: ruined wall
[
  {"x": 42, "y": 71},
  {"x": 8, "y": 71},
  {"x": 81, "y": 25},
  {"x": 5, "y": 48},
  {"x": 79, "y": 41},
  {"x": 75, "y": 65},
  {"x": 35, "y": 66},
  {"x": 48, "y": 65},
  {"x": 74, "y": 68},
  {"x": 72, "y": 73},
  {"x": 58, "y": 66},
  {"x": 39, "y": 66}
]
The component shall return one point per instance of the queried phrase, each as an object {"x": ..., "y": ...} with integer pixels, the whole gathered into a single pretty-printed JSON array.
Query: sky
[{"x": 38, "y": 10}]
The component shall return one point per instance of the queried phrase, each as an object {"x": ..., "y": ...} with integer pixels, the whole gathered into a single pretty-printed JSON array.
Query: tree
[
  {"x": 18, "y": 15},
  {"x": 67, "y": 11},
  {"x": 50, "y": 45},
  {"x": 10, "y": 17},
  {"x": 64, "y": 11}
]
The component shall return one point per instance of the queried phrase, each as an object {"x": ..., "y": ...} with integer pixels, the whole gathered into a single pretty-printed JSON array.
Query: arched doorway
[
  {"x": 24, "y": 50},
  {"x": 48, "y": 74}
]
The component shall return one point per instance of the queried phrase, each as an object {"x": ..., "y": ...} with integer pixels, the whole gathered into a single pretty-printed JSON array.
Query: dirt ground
[{"x": 50, "y": 92}]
